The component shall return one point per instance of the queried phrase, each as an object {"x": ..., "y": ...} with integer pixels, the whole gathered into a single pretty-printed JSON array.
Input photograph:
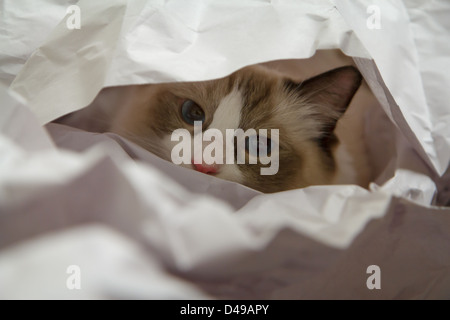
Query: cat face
[{"x": 303, "y": 114}]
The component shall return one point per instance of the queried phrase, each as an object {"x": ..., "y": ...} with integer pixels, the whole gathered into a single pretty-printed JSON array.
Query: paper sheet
[{"x": 138, "y": 227}]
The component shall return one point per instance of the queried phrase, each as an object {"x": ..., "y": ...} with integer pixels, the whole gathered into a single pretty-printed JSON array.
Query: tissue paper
[{"x": 92, "y": 215}]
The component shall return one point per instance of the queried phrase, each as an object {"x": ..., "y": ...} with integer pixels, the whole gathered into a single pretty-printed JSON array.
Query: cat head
[{"x": 303, "y": 114}]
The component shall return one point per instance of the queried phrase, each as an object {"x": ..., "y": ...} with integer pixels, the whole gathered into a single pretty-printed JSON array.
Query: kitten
[{"x": 305, "y": 114}]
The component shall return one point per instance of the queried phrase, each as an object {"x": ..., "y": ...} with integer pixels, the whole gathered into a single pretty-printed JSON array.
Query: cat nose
[{"x": 206, "y": 168}]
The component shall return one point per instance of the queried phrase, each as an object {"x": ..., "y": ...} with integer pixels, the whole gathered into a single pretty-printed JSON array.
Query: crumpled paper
[{"x": 139, "y": 227}]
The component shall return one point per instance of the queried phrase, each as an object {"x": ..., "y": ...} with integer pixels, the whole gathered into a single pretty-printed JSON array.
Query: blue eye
[
  {"x": 190, "y": 112},
  {"x": 255, "y": 145}
]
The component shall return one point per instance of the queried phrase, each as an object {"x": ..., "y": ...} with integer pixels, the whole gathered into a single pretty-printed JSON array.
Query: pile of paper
[{"x": 86, "y": 215}]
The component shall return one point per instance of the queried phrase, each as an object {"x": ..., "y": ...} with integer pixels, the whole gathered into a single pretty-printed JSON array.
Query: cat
[{"x": 305, "y": 113}]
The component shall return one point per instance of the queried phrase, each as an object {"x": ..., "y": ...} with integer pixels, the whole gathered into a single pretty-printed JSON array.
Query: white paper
[
  {"x": 140, "y": 227},
  {"x": 416, "y": 35}
]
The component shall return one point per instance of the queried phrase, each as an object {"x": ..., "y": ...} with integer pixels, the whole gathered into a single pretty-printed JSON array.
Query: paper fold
[{"x": 140, "y": 227}]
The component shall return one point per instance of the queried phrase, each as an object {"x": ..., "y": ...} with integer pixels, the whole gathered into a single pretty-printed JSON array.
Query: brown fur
[
  {"x": 304, "y": 112},
  {"x": 305, "y": 115}
]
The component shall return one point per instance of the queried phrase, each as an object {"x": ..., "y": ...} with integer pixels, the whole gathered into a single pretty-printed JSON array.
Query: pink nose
[{"x": 205, "y": 168}]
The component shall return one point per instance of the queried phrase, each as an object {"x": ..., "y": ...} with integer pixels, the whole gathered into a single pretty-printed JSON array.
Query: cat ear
[
  {"x": 334, "y": 88},
  {"x": 331, "y": 92}
]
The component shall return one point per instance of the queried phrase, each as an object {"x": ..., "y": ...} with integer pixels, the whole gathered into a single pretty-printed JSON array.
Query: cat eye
[
  {"x": 190, "y": 112},
  {"x": 256, "y": 145}
]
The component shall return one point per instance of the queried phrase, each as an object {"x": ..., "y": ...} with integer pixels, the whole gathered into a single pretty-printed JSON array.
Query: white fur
[
  {"x": 226, "y": 116},
  {"x": 228, "y": 113}
]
